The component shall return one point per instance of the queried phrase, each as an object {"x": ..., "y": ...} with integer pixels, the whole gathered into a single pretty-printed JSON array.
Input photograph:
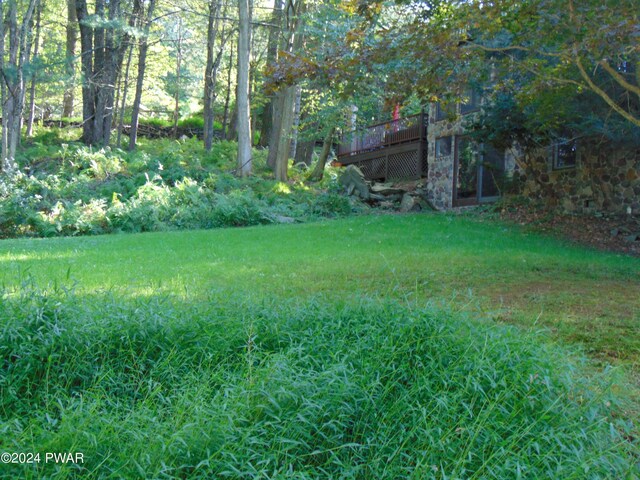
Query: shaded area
[{"x": 615, "y": 233}]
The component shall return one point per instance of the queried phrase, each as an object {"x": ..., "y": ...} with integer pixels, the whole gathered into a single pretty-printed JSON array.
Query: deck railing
[{"x": 393, "y": 132}]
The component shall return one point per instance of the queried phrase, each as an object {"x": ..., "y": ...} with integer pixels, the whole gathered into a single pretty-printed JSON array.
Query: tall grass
[{"x": 162, "y": 388}]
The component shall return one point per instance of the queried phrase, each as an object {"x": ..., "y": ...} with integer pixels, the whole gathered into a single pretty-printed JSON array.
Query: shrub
[
  {"x": 195, "y": 121},
  {"x": 331, "y": 205},
  {"x": 72, "y": 189},
  {"x": 239, "y": 209}
]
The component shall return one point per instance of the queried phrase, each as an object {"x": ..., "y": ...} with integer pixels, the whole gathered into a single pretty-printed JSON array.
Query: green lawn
[
  {"x": 372, "y": 347},
  {"x": 582, "y": 295}
]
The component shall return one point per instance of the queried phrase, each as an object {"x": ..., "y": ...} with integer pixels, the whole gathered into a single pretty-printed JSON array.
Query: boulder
[
  {"x": 409, "y": 204},
  {"x": 284, "y": 219},
  {"x": 352, "y": 179},
  {"x": 385, "y": 189}
]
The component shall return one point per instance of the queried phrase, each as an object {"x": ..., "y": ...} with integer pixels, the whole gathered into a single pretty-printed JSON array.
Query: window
[
  {"x": 445, "y": 112},
  {"x": 443, "y": 146},
  {"x": 492, "y": 172},
  {"x": 465, "y": 172},
  {"x": 564, "y": 155},
  {"x": 471, "y": 102}
]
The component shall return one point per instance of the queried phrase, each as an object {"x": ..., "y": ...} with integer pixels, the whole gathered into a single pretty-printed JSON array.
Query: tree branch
[
  {"x": 512, "y": 48},
  {"x": 619, "y": 78},
  {"x": 602, "y": 94}
]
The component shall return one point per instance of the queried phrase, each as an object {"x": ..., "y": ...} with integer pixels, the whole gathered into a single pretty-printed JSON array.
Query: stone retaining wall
[{"x": 604, "y": 180}]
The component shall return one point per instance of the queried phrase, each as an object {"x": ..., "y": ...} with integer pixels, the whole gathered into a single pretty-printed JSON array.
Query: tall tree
[
  {"x": 4, "y": 143},
  {"x": 13, "y": 77},
  {"x": 176, "y": 98},
  {"x": 142, "y": 64},
  {"x": 123, "y": 100},
  {"x": 272, "y": 58},
  {"x": 211, "y": 70},
  {"x": 217, "y": 30},
  {"x": 242, "y": 96},
  {"x": 318, "y": 170},
  {"x": 70, "y": 61},
  {"x": 103, "y": 42},
  {"x": 284, "y": 105},
  {"x": 32, "y": 89},
  {"x": 227, "y": 98}
]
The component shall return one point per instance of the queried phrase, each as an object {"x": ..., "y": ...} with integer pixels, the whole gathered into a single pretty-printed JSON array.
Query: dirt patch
[{"x": 615, "y": 234}]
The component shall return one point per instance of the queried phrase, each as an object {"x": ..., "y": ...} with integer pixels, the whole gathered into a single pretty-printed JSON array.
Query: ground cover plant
[
  {"x": 71, "y": 189},
  {"x": 160, "y": 387}
]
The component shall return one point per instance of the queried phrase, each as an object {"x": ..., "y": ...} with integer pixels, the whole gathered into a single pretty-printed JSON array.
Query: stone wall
[
  {"x": 604, "y": 180},
  {"x": 440, "y": 173}
]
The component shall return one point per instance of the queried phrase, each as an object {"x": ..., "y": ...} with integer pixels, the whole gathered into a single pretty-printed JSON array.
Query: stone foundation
[
  {"x": 604, "y": 180},
  {"x": 440, "y": 173}
]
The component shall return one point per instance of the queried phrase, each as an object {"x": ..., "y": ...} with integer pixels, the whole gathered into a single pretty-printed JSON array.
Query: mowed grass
[
  {"x": 583, "y": 296},
  {"x": 361, "y": 348}
]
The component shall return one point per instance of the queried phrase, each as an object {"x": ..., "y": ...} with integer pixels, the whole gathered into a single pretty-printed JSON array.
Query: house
[
  {"x": 433, "y": 146},
  {"x": 577, "y": 175}
]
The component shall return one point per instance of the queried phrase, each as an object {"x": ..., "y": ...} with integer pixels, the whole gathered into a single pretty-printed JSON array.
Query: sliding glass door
[{"x": 476, "y": 172}]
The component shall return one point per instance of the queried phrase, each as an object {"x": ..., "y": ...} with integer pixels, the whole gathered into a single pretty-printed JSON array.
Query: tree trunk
[
  {"x": 242, "y": 96},
  {"x": 102, "y": 57},
  {"x": 32, "y": 89},
  {"x": 284, "y": 139},
  {"x": 276, "y": 124},
  {"x": 296, "y": 123},
  {"x": 318, "y": 171},
  {"x": 123, "y": 101},
  {"x": 232, "y": 134},
  {"x": 304, "y": 153},
  {"x": 225, "y": 115},
  {"x": 99, "y": 75},
  {"x": 176, "y": 108},
  {"x": 86, "y": 59},
  {"x": 281, "y": 137},
  {"x": 272, "y": 58},
  {"x": 210, "y": 73},
  {"x": 70, "y": 65},
  {"x": 13, "y": 105},
  {"x": 142, "y": 62},
  {"x": 4, "y": 147},
  {"x": 114, "y": 53}
]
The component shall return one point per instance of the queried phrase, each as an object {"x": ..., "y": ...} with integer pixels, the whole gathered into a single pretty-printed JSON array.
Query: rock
[
  {"x": 426, "y": 204},
  {"x": 385, "y": 189},
  {"x": 409, "y": 204},
  {"x": 376, "y": 197},
  {"x": 632, "y": 238},
  {"x": 614, "y": 232},
  {"x": 394, "y": 198},
  {"x": 353, "y": 180},
  {"x": 284, "y": 219}
]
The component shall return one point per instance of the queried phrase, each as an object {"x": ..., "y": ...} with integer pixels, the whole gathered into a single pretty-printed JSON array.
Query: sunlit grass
[
  {"x": 359, "y": 348},
  {"x": 513, "y": 276}
]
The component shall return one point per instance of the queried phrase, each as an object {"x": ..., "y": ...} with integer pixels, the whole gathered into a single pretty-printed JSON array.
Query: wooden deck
[{"x": 394, "y": 150}]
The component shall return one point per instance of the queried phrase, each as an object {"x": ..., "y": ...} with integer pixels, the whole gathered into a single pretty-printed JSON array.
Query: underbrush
[
  {"x": 161, "y": 388},
  {"x": 70, "y": 189}
]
